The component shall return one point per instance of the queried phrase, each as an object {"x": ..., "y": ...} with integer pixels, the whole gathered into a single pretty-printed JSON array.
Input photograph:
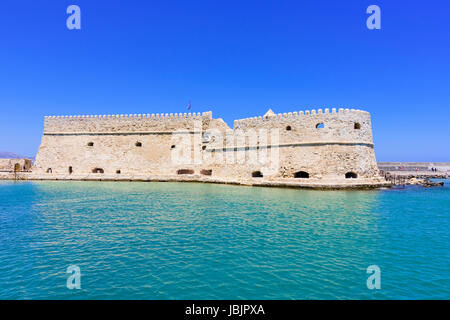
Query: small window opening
[
  {"x": 351, "y": 175},
  {"x": 49, "y": 170},
  {"x": 357, "y": 126},
  {"x": 90, "y": 144},
  {"x": 172, "y": 147},
  {"x": 301, "y": 174},
  {"x": 98, "y": 170},
  {"x": 206, "y": 172},
  {"x": 257, "y": 174},
  {"x": 320, "y": 126},
  {"x": 203, "y": 147},
  {"x": 206, "y": 137},
  {"x": 185, "y": 171},
  {"x": 288, "y": 128},
  {"x": 138, "y": 144},
  {"x": 70, "y": 170},
  {"x": 118, "y": 171}
]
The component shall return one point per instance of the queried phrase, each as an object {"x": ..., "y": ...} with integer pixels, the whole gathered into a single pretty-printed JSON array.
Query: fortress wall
[
  {"x": 108, "y": 152},
  {"x": 110, "y": 143},
  {"x": 329, "y": 161}
]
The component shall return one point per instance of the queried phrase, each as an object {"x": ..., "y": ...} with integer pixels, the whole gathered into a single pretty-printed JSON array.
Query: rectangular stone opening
[
  {"x": 185, "y": 171},
  {"x": 206, "y": 172}
]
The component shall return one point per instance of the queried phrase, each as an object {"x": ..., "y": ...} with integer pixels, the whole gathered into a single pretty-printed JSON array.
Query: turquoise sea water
[{"x": 206, "y": 241}]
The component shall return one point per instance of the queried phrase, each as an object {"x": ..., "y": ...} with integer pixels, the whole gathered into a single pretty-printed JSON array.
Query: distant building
[{"x": 15, "y": 165}]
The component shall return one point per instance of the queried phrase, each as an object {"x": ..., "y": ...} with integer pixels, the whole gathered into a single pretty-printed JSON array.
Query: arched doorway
[
  {"x": 351, "y": 175},
  {"x": 17, "y": 167}
]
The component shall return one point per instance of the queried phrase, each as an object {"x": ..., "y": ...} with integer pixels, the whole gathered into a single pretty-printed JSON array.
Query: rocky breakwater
[{"x": 426, "y": 182}]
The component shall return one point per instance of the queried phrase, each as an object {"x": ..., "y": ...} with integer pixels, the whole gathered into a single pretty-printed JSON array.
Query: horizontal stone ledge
[
  {"x": 231, "y": 148},
  {"x": 281, "y": 145}
]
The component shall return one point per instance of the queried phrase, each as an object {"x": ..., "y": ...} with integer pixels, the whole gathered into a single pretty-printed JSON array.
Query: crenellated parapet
[
  {"x": 298, "y": 116},
  {"x": 322, "y": 125},
  {"x": 124, "y": 122}
]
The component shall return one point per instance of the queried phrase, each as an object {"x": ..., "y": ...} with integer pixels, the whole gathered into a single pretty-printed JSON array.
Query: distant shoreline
[
  {"x": 413, "y": 163},
  {"x": 428, "y": 169}
]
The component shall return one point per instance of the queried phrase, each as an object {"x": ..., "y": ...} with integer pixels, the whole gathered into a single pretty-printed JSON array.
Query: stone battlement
[
  {"x": 123, "y": 122},
  {"x": 153, "y": 116},
  {"x": 342, "y": 125},
  {"x": 298, "y": 115}
]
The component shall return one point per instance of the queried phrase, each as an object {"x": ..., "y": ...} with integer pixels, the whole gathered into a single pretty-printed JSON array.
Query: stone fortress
[{"x": 316, "y": 149}]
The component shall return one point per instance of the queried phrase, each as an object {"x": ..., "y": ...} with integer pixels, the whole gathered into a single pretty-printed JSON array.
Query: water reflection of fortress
[{"x": 311, "y": 148}]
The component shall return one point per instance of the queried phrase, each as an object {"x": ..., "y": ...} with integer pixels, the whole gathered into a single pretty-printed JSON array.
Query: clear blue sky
[{"x": 236, "y": 58}]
